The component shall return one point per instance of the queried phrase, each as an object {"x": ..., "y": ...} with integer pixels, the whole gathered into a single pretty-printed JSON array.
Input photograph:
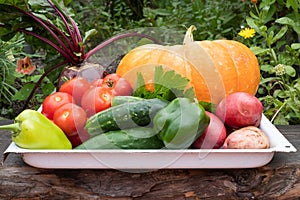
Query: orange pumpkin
[{"x": 215, "y": 68}]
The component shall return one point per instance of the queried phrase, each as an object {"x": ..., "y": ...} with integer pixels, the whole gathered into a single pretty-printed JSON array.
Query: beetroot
[
  {"x": 57, "y": 29},
  {"x": 89, "y": 71},
  {"x": 240, "y": 109},
  {"x": 249, "y": 137},
  {"x": 213, "y": 136}
]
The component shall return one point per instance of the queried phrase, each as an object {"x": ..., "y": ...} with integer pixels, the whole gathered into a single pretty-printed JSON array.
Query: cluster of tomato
[{"x": 77, "y": 100}]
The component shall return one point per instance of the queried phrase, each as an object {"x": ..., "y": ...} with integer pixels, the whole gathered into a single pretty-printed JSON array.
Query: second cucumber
[{"x": 135, "y": 138}]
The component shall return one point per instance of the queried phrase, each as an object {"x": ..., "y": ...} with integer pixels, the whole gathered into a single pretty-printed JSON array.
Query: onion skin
[
  {"x": 213, "y": 136},
  {"x": 249, "y": 137},
  {"x": 240, "y": 109}
]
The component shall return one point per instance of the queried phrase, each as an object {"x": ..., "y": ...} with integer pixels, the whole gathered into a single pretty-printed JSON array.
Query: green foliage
[
  {"x": 276, "y": 42},
  {"x": 15, "y": 16},
  {"x": 105, "y": 17},
  {"x": 8, "y": 52},
  {"x": 48, "y": 29},
  {"x": 277, "y": 46},
  {"x": 28, "y": 82},
  {"x": 15, "y": 87},
  {"x": 167, "y": 85},
  {"x": 213, "y": 19}
]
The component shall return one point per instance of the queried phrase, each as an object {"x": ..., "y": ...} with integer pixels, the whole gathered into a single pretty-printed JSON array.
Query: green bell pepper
[
  {"x": 180, "y": 123},
  {"x": 32, "y": 130}
]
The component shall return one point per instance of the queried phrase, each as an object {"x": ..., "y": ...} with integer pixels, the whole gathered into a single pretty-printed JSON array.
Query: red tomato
[
  {"x": 119, "y": 85},
  {"x": 78, "y": 137},
  {"x": 54, "y": 101},
  {"x": 96, "y": 99},
  {"x": 75, "y": 87},
  {"x": 70, "y": 118}
]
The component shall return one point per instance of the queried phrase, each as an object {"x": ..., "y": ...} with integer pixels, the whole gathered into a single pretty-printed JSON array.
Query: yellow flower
[
  {"x": 247, "y": 33},
  {"x": 24, "y": 66}
]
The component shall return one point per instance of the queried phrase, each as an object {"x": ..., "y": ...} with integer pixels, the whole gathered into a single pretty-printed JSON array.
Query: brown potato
[{"x": 249, "y": 137}]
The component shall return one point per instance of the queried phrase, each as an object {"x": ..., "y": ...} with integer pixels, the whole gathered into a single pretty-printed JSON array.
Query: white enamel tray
[{"x": 158, "y": 159}]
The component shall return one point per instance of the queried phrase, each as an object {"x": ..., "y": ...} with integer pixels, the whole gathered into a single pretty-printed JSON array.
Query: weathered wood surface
[{"x": 280, "y": 179}]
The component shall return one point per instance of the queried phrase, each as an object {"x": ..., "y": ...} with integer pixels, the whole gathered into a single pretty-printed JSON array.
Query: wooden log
[
  {"x": 262, "y": 183},
  {"x": 280, "y": 180}
]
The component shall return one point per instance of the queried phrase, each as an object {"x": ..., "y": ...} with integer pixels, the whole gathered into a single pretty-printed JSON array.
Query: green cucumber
[
  {"x": 117, "y": 100},
  {"x": 124, "y": 116},
  {"x": 135, "y": 138}
]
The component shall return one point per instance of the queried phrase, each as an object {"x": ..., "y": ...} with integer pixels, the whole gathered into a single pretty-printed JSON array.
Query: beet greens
[{"x": 50, "y": 22}]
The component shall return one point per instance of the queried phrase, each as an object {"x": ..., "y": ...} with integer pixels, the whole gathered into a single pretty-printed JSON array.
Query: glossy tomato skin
[
  {"x": 52, "y": 102},
  {"x": 70, "y": 118},
  {"x": 96, "y": 99},
  {"x": 75, "y": 87},
  {"x": 119, "y": 85}
]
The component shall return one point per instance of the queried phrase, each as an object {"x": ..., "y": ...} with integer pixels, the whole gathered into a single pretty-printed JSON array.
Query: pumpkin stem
[{"x": 189, "y": 35}]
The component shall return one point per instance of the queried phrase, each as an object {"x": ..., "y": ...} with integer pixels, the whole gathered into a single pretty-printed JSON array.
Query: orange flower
[
  {"x": 24, "y": 66},
  {"x": 253, "y": 1}
]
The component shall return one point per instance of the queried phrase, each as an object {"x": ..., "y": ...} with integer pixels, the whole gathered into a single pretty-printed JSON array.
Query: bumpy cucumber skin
[
  {"x": 124, "y": 116},
  {"x": 135, "y": 138},
  {"x": 117, "y": 100}
]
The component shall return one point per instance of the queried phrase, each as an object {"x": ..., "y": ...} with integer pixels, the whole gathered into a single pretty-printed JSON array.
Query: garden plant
[{"x": 271, "y": 29}]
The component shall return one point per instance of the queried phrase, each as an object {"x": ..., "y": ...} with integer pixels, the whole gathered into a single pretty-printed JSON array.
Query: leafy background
[{"x": 276, "y": 44}]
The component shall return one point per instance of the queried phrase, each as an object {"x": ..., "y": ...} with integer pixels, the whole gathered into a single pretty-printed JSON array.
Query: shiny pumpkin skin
[{"x": 215, "y": 68}]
